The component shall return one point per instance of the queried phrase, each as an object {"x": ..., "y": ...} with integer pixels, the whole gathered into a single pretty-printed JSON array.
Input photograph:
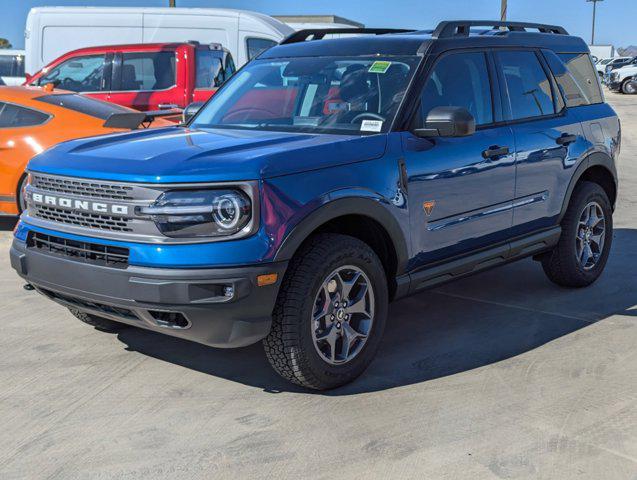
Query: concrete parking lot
[{"x": 502, "y": 375}]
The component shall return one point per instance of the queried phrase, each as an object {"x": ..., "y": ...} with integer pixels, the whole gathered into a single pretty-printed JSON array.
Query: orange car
[{"x": 33, "y": 119}]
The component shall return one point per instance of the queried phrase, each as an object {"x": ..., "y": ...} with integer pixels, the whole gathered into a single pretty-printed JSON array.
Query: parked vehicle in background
[
  {"x": 151, "y": 76},
  {"x": 53, "y": 31},
  {"x": 327, "y": 178},
  {"x": 34, "y": 119},
  {"x": 11, "y": 67},
  {"x": 624, "y": 79},
  {"x": 615, "y": 64}
]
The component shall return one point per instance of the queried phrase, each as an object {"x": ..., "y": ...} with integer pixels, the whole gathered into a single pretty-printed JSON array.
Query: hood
[{"x": 177, "y": 154}]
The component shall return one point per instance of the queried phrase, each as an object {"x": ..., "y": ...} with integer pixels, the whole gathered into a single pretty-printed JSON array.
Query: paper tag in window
[
  {"x": 371, "y": 126},
  {"x": 379, "y": 66}
]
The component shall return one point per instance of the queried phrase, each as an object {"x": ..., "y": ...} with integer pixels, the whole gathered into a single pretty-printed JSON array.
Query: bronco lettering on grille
[{"x": 83, "y": 205}]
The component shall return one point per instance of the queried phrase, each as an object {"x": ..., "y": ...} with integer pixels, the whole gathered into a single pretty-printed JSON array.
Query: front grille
[
  {"x": 88, "y": 305},
  {"x": 95, "y": 253},
  {"x": 83, "y": 219},
  {"x": 83, "y": 188}
]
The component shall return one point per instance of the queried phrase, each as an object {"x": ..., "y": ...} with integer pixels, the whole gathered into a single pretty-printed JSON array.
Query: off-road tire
[
  {"x": 99, "y": 323},
  {"x": 289, "y": 346},
  {"x": 561, "y": 265}
]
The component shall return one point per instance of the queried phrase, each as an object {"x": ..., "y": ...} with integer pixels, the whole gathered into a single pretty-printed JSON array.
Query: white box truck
[{"x": 53, "y": 31}]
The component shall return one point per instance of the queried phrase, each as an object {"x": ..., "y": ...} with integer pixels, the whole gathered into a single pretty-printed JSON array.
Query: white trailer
[{"x": 53, "y": 31}]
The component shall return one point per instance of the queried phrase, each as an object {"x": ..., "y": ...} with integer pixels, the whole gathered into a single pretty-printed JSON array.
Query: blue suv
[{"x": 328, "y": 177}]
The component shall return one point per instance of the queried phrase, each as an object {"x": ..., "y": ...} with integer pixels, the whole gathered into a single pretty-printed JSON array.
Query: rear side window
[
  {"x": 146, "y": 71},
  {"x": 527, "y": 84},
  {"x": 460, "y": 80},
  {"x": 79, "y": 74},
  {"x": 258, "y": 45},
  {"x": 12, "y": 116},
  {"x": 86, "y": 105},
  {"x": 583, "y": 75},
  {"x": 211, "y": 72}
]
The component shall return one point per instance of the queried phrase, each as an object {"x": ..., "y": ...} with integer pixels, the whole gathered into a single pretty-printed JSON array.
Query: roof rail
[
  {"x": 461, "y": 28},
  {"x": 319, "y": 33}
]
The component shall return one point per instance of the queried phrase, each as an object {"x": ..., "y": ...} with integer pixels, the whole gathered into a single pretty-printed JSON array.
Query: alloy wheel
[
  {"x": 591, "y": 233},
  {"x": 343, "y": 315}
]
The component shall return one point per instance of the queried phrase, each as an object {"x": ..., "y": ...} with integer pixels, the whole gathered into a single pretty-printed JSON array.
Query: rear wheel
[
  {"x": 330, "y": 314},
  {"x": 587, "y": 234},
  {"x": 99, "y": 323}
]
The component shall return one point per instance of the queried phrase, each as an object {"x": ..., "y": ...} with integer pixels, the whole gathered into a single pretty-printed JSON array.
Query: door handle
[
  {"x": 495, "y": 151},
  {"x": 566, "y": 139},
  {"x": 167, "y": 106}
]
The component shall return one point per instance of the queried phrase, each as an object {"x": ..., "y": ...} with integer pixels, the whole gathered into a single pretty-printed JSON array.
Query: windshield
[{"x": 317, "y": 94}]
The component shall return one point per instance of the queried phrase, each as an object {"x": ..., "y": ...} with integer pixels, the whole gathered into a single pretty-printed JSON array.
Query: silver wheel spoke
[
  {"x": 587, "y": 253},
  {"x": 325, "y": 306},
  {"x": 359, "y": 305}
]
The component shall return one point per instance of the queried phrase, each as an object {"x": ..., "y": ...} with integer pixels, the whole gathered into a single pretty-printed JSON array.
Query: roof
[
  {"x": 318, "y": 19},
  {"x": 447, "y": 36}
]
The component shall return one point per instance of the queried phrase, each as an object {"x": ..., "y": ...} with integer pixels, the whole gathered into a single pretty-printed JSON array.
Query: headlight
[{"x": 201, "y": 213}]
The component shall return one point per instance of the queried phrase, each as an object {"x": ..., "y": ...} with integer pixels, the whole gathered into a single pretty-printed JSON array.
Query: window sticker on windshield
[
  {"x": 371, "y": 126},
  {"x": 379, "y": 67}
]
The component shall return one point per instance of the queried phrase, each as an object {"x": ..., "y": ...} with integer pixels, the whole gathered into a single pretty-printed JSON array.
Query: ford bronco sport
[{"x": 326, "y": 178}]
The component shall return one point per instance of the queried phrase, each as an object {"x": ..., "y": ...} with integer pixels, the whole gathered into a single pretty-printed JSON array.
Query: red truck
[{"x": 150, "y": 76}]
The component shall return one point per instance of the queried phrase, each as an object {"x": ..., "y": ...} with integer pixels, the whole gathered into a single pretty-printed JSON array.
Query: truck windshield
[{"x": 318, "y": 94}]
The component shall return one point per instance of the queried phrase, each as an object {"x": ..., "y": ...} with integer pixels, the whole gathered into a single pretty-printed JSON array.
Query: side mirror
[
  {"x": 190, "y": 111},
  {"x": 447, "y": 122}
]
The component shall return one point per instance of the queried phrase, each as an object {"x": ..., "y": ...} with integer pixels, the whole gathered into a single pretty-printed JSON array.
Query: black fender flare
[
  {"x": 368, "y": 207},
  {"x": 592, "y": 160}
]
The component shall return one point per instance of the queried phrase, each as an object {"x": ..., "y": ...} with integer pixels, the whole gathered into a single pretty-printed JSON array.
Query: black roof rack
[
  {"x": 461, "y": 28},
  {"x": 319, "y": 33}
]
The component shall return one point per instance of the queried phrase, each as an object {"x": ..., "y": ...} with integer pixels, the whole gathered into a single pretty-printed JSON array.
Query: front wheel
[
  {"x": 629, "y": 87},
  {"x": 587, "y": 234},
  {"x": 330, "y": 314}
]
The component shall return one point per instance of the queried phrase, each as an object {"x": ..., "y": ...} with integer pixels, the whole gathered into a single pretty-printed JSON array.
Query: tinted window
[
  {"x": 257, "y": 45},
  {"x": 147, "y": 71},
  {"x": 79, "y": 74},
  {"x": 460, "y": 80},
  {"x": 527, "y": 84},
  {"x": 11, "y": 65},
  {"x": 16, "y": 116},
  {"x": 85, "y": 105},
  {"x": 583, "y": 76}
]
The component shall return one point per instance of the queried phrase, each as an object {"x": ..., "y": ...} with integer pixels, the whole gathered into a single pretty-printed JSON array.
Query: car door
[
  {"x": 460, "y": 189},
  {"x": 147, "y": 80},
  {"x": 548, "y": 138},
  {"x": 86, "y": 74}
]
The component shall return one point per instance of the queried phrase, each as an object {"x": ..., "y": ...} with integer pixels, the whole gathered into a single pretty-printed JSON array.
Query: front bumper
[
  {"x": 146, "y": 297},
  {"x": 614, "y": 86}
]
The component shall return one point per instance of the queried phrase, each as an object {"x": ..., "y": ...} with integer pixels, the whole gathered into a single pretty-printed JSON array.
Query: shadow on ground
[
  {"x": 462, "y": 326},
  {"x": 7, "y": 223}
]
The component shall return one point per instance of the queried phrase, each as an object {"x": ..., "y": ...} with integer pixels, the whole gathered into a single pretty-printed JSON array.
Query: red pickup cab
[{"x": 150, "y": 76}]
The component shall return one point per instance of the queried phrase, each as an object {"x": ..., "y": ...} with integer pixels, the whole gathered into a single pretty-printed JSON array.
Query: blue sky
[{"x": 616, "y": 19}]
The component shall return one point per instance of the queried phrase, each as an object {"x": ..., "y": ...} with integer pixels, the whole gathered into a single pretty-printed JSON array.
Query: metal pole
[
  {"x": 594, "y": 15},
  {"x": 503, "y": 10},
  {"x": 593, "y": 31}
]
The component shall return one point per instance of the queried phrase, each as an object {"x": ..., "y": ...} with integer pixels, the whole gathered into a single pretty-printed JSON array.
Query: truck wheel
[
  {"x": 100, "y": 323},
  {"x": 587, "y": 234},
  {"x": 629, "y": 87},
  {"x": 330, "y": 314}
]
